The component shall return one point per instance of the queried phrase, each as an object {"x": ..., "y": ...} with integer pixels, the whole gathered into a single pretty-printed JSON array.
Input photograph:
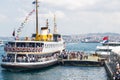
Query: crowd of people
[
  {"x": 40, "y": 58},
  {"x": 29, "y": 58},
  {"x": 73, "y": 54},
  {"x": 117, "y": 72},
  {"x": 8, "y": 58}
]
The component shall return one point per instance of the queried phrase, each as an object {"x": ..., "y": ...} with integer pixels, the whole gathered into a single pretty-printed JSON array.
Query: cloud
[
  {"x": 50, "y": 14},
  {"x": 71, "y": 4},
  {"x": 3, "y": 18},
  {"x": 89, "y": 22},
  {"x": 73, "y": 16}
]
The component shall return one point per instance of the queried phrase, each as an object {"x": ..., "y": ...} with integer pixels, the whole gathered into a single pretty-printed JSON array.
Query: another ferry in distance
[
  {"x": 88, "y": 40},
  {"x": 106, "y": 47},
  {"x": 37, "y": 52}
]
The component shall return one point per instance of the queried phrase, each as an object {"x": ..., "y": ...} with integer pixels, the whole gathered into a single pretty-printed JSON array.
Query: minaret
[{"x": 55, "y": 26}]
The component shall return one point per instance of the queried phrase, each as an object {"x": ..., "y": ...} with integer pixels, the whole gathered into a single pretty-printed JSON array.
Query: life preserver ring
[
  {"x": 23, "y": 49},
  {"x": 17, "y": 49},
  {"x": 35, "y": 49},
  {"x": 13, "y": 49},
  {"x": 39, "y": 49},
  {"x": 20, "y": 49},
  {"x": 28, "y": 49}
]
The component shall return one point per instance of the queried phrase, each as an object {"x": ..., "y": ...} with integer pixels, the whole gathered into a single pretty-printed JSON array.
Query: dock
[
  {"x": 90, "y": 60},
  {"x": 82, "y": 59}
]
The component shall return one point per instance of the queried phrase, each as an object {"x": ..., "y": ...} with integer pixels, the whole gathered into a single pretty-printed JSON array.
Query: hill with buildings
[{"x": 91, "y": 37}]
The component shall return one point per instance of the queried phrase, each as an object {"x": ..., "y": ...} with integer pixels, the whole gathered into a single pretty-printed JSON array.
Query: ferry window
[
  {"x": 11, "y": 56},
  {"x": 32, "y": 44},
  {"x": 21, "y": 58},
  {"x": 59, "y": 36},
  {"x": 18, "y": 44},
  {"x": 33, "y": 35},
  {"x": 42, "y": 44},
  {"x": 105, "y": 44},
  {"x": 23, "y": 44},
  {"x": 27, "y": 44},
  {"x": 105, "y": 50},
  {"x": 37, "y": 44},
  {"x": 12, "y": 44}
]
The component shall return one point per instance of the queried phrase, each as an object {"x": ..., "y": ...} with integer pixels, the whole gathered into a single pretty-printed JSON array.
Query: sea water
[{"x": 60, "y": 72}]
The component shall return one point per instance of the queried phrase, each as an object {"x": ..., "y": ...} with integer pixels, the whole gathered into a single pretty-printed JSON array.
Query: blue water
[
  {"x": 86, "y": 47},
  {"x": 60, "y": 72}
]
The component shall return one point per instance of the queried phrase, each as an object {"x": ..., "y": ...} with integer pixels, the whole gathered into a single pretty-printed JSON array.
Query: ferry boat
[
  {"x": 39, "y": 51},
  {"x": 89, "y": 40},
  {"x": 106, "y": 48}
]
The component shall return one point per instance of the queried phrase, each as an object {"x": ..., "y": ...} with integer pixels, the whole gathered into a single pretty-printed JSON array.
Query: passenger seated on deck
[
  {"x": 117, "y": 65},
  {"x": 33, "y": 59},
  {"x": 8, "y": 58},
  {"x": 85, "y": 56},
  {"x": 81, "y": 56},
  {"x": 39, "y": 59},
  {"x": 19, "y": 59},
  {"x": 24, "y": 58}
]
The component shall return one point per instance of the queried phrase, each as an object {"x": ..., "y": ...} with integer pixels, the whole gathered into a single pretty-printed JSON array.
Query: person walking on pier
[{"x": 81, "y": 56}]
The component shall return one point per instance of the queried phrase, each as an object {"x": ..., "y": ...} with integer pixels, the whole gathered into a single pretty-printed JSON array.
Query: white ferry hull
[{"x": 27, "y": 66}]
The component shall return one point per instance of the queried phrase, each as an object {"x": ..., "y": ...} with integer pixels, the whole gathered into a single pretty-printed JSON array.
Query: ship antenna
[
  {"x": 47, "y": 23},
  {"x": 55, "y": 26},
  {"x": 36, "y": 19}
]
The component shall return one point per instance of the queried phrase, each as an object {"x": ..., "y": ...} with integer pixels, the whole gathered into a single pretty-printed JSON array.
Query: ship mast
[
  {"x": 36, "y": 19},
  {"x": 47, "y": 23},
  {"x": 55, "y": 26}
]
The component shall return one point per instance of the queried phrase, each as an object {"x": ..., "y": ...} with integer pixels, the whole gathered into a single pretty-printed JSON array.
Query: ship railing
[
  {"x": 25, "y": 59},
  {"x": 74, "y": 55},
  {"x": 23, "y": 49},
  {"x": 7, "y": 59}
]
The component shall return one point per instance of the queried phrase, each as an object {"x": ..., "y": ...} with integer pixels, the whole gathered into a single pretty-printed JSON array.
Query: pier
[{"x": 81, "y": 59}]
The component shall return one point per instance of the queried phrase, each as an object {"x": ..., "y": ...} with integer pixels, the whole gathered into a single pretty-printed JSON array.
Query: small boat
[{"x": 39, "y": 51}]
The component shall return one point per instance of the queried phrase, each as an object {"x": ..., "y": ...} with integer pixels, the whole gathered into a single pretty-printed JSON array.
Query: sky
[{"x": 72, "y": 16}]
